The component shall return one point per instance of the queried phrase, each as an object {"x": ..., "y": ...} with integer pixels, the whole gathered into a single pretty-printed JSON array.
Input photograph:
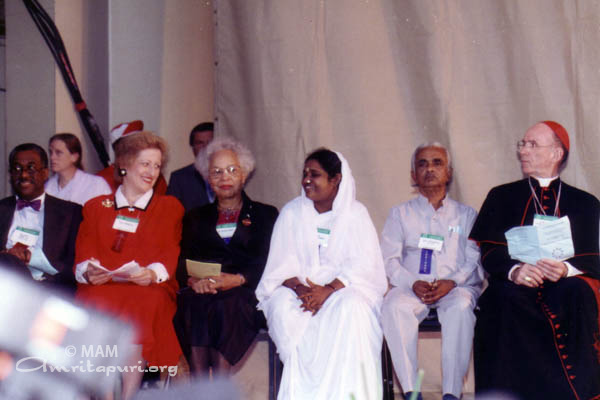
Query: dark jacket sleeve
[
  {"x": 61, "y": 224},
  {"x": 488, "y": 232},
  {"x": 585, "y": 220},
  {"x": 187, "y": 241},
  {"x": 252, "y": 264}
]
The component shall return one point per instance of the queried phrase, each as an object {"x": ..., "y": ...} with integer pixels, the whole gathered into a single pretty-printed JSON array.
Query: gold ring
[{"x": 528, "y": 279}]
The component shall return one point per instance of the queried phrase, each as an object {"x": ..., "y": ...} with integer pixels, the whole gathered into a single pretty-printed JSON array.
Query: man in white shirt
[
  {"x": 37, "y": 229},
  {"x": 431, "y": 263}
]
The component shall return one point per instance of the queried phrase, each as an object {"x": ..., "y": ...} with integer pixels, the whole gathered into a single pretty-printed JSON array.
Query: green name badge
[
  {"x": 126, "y": 224},
  {"x": 431, "y": 242}
]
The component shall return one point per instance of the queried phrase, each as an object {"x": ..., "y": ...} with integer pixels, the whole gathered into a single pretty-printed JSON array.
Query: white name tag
[
  {"x": 126, "y": 224},
  {"x": 28, "y": 237},
  {"x": 540, "y": 220},
  {"x": 431, "y": 242},
  {"x": 226, "y": 231},
  {"x": 323, "y": 235}
]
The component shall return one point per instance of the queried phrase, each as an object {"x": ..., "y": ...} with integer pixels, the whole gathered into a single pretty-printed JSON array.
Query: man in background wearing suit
[
  {"x": 186, "y": 183},
  {"x": 37, "y": 230}
]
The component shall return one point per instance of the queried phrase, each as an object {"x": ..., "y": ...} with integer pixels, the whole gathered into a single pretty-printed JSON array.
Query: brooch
[
  {"x": 108, "y": 203},
  {"x": 246, "y": 222}
]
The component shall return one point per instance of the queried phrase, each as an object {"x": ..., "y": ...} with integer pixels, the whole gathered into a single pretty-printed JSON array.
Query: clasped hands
[
  {"x": 312, "y": 296},
  {"x": 534, "y": 275},
  {"x": 213, "y": 284},
  {"x": 431, "y": 292},
  {"x": 97, "y": 276}
]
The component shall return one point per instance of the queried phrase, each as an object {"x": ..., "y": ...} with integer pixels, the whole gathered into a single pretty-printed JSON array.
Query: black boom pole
[{"x": 57, "y": 48}]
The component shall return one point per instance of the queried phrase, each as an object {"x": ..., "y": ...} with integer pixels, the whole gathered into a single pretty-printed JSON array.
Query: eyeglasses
[
  {"x": 31, "y": 169},
  {"x": 531, "y": 144},
  {"x": 232, "y": 170}
]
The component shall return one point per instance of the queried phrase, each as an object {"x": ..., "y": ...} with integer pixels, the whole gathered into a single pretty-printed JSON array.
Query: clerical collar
[
  {"x": 539, "y": 208},
  {"x": 141, "y": 203},
  {"x": 544, "y": 182}
]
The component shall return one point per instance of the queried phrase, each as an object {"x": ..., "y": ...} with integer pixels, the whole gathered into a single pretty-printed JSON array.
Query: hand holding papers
[
  {"x": 551, "y": 240},
  {"x": 121, "y": 274}
]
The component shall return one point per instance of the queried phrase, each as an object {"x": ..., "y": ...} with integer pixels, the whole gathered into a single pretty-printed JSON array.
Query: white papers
[
  {"x": 551, "y": 240},
  {"x": 39, "y": 264},
  {"x": 123, "y": 273}
]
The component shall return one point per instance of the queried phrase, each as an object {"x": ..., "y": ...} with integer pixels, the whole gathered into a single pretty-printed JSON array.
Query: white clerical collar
[
  {"x": 545, "y": 182},
  {"x": 140, "y": 203}
]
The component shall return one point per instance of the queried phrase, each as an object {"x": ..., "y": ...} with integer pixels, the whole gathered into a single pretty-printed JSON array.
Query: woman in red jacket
[{"x": 126, "y": 254}]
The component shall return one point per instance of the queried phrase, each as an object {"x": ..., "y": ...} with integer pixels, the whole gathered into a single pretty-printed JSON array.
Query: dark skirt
[
  {"x": 227, "y": 321},
  {"x": 538, "y": 343}
]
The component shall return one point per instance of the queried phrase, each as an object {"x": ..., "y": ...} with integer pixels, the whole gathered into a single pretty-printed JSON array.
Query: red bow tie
[{"x": 35, "y": 204}]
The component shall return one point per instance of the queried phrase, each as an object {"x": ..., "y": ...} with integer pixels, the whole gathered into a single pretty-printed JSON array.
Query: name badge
[
  {"x": 28, "y": 237},
  {"x": 431, "y": 242},
  {"x": 126, "y": 224},
  {"x": 540, "y": 220},
  {"x": 323, "y": 235},
  {"x": 226, "y": 231}
]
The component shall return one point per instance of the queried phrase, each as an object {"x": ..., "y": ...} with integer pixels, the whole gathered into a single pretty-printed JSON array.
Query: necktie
[{"x": 35, "y": 204}]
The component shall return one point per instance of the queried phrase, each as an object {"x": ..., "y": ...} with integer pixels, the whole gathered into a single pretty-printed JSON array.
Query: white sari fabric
[{"x": 335, "y": 353}]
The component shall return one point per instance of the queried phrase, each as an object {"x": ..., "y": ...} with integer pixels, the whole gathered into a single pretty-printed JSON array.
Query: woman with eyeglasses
[
  {"x": 323, "y": 286},
  {"x": 69, "y": 181},
  {"x": 217, "y": 319}
]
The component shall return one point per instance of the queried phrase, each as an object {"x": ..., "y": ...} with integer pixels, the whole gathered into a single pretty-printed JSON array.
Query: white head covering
[
  {"x": 346, "y": 194},
  {"x": 352, "y": 256}
]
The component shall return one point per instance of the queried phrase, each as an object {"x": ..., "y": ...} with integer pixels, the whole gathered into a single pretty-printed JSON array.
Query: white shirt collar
[
  {"x": 545, "y": 182},
  {"x": 425, "y": 201},
  {"x": 140, "y": 203}
]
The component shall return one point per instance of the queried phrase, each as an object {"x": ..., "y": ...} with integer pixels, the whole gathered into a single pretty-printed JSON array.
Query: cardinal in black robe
[{"x": 538, "y": 341}]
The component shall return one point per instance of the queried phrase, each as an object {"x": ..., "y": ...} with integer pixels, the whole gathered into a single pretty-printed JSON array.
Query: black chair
[
  {"x": 387, "y": 370},
  {"x": 431, "y": 322},
  {"x": 275, "y": 364}
]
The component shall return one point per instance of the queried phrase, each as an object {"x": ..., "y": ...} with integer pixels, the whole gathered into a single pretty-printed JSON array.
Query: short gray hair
[
  {"x": 244, "y": 155},
  {"x": 438, "y": 145}
]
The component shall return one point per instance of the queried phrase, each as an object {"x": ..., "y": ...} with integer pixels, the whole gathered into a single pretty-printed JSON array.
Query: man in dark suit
[
  {"x": 37, "y": 230},
  {"x": 537, "y": 334},
  {"x": 186, "y": 183}
]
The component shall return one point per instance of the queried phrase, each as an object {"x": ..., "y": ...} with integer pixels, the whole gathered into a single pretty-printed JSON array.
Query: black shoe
[
  {"x": 408, "y": 394},
  {"x": 449, "y": 396}
]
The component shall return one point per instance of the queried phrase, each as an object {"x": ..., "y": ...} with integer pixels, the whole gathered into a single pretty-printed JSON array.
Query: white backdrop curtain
[{"x": 375, "y": 78}]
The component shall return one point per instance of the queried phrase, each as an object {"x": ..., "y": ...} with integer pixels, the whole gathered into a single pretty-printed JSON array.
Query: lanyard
[{"x": 538, "y": 204}]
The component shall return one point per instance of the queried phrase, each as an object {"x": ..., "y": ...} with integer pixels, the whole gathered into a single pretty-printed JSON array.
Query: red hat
[
  {"x": 125, "y": 128},
  {"x": 560, "y": 132}
]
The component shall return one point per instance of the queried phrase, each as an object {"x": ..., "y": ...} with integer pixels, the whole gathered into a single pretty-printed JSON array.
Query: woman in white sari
[{"x": 323, "y": 286}]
